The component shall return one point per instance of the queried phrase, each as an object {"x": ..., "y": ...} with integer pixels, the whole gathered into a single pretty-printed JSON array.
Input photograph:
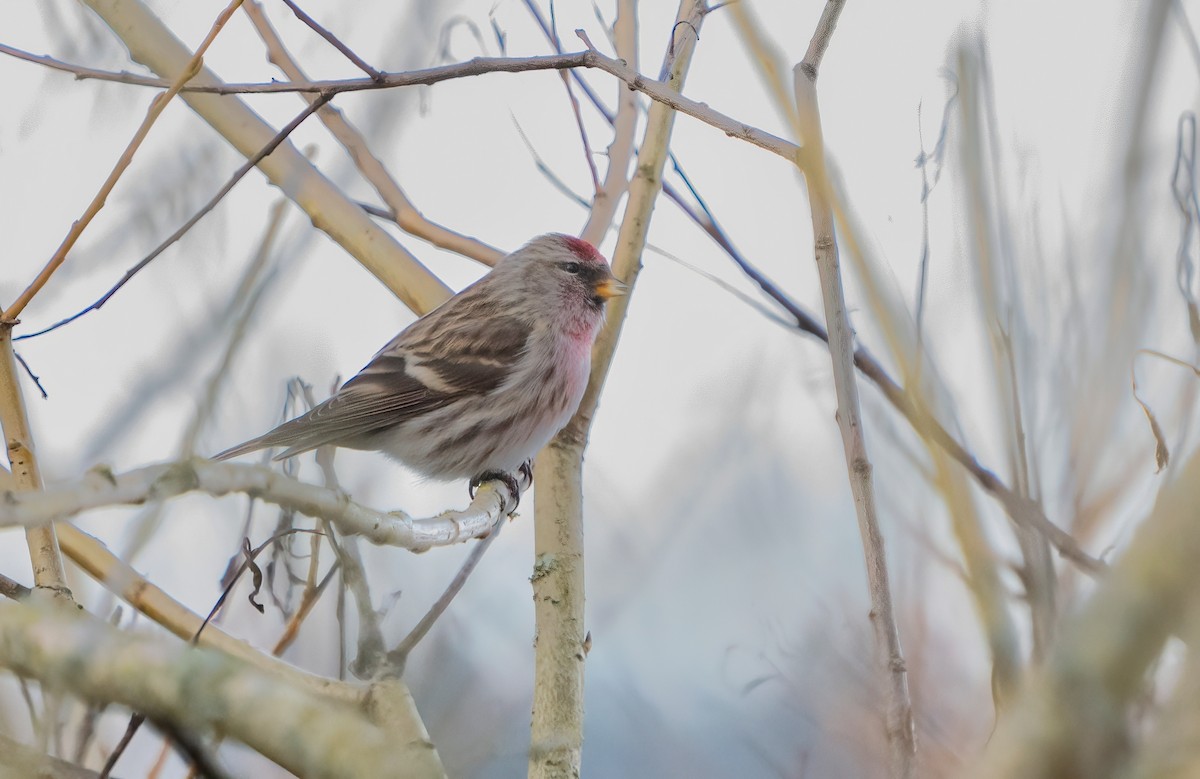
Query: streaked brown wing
[{"x": 402, "y": 382}]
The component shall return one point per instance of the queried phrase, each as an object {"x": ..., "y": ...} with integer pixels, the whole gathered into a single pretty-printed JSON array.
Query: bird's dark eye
[{"x": 571, "y": 267}]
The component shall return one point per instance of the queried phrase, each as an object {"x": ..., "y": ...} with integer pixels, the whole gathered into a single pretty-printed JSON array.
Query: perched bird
[{"x": 477, "y": 386}]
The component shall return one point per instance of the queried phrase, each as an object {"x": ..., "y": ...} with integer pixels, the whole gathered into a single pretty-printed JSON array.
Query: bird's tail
[{"x": 253, "y": 445}]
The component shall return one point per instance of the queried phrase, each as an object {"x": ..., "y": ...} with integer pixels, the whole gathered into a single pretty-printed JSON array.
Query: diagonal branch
[
  {"x": 204, "y": 210},
  {"x": 153, "y": 44},
  {"x": 346, "y": 51},
  {"x": 403, "y": 212},
  {"x": 157, "y": 106},
  {"x": 198, "y": 690}
]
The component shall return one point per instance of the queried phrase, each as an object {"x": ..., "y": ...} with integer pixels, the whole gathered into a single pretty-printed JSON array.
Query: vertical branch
[
  {"x": 48, "y": 572},
  {"x": 616, "y": 178},
  {"x": 889, "y": 655},
  {"x": 995, "y": 285},
  {"x": 558, "y": 593}
]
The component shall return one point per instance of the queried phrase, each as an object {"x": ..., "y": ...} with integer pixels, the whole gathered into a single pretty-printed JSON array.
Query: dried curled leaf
[
  {"x": 255, "y": 573},
  {"x": 1162, "y": 455}
]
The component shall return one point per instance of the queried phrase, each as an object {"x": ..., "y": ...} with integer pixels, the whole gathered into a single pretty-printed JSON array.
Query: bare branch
[
  {"x": 820, "y": 39},
  {"x": 616, "y": 177},
  {"x": 477, "y": 66},
  {"x": 25, "y": 478},
  {"x": 398, "y": 657},
  {"x": 12, "y": 589},
  {"x": 100, "y": 487},
  {"x": 591, "y": 58},
  {"x": 151, "y": 42},
  {"x": 197, "y": 690},
  {"x": 152, "y": 113},
  {"x": 238, "y": 175},
  {"x": 1073, "y": 714},
  {"x": 403, "y": 212},
  {"x": 901, "y": 734},
  {"x": 358, "y": 61},
  {"x": 558, "y": 580}
]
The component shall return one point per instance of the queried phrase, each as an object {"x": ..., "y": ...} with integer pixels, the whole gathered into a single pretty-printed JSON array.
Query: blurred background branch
[{"x": 1049, "y": 233}]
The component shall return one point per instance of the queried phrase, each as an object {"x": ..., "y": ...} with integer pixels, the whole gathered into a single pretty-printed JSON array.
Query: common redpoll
[{"x": 478, "y": 385}]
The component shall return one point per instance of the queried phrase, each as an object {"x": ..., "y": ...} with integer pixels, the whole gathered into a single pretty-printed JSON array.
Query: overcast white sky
[{"x": 716, "y": 429}]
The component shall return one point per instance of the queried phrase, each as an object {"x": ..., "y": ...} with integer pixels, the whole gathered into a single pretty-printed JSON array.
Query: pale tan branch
[
  {"x": 100, "y": 487},
  {"x": 1073, "y": 714},
  {"x": 403, "y": 212},
  {"x": 49, "y": 576},
  {"x": 558, "y": 577},
  {"x": 199, "y": 690},
  {"x": 624, "y": 124},
  {"x": 153, "y": 44},
  {"x": 157, "y": 106},
  {"x": 889, "y": 654},
  {"x": 119, "y": 578},
  {"x": 387, "y": 703}
]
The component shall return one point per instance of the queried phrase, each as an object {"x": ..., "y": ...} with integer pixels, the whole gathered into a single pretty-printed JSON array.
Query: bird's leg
[
  {"x": 510, "y": 481},
  {"x": 526, "y": 470}
]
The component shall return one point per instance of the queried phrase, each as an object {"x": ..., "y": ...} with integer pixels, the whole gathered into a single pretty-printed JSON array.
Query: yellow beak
[{"x": 610, "y": 287}]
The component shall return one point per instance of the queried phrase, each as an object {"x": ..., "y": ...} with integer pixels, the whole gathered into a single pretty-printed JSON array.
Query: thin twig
[
  {"x": 136, "y": 720},
  {"x": 238, "y": 175},
  {"x": 156, "y": 108},
  {"x": 397, "y": 658},
  {"x": 566, "y": 79},
  {"x": 591, "y": 58},
  {"x": 150, "y": 42},
  {"x": 37, "y": 381},
  {"x": 346, "y": 51},
  {"x": 309, "y": 599},
  {"x": 403, "y": 212},
  {"x": 546, "y": 170},
  {"x": 422, "y": 77}
]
